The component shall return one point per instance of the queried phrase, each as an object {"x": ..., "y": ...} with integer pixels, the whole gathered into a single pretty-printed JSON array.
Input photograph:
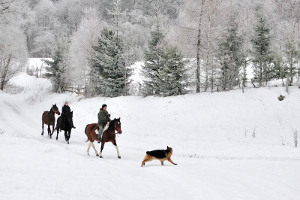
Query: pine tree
[
  {"x": 230, "y": 55},
  {"x": 280, "y": 69},
  {"x": 153, "y": 63},
  {"x": 57, "y": 70},
  {"x": 261, "y": 49},
  {"x": 111, "y": 73},
  {"x": 172, "y": 76}
]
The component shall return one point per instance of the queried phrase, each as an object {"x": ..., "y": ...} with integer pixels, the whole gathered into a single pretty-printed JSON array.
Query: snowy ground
[{"x": 211, "y": 135}]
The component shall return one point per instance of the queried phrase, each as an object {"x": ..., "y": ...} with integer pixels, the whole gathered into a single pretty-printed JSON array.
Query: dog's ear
[{"x": 168, "y": 147}]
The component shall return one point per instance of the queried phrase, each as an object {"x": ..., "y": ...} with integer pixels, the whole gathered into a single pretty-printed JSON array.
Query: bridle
[
  {"x": 116, "y": 130},
  {"x": 55, "y": 111}
]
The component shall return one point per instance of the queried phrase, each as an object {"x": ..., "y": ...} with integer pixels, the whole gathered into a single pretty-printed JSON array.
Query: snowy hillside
[{"x": 211, "y": 135}]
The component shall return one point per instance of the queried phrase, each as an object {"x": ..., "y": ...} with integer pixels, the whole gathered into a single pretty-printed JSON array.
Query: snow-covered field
[{"x": 211, "y": 135}]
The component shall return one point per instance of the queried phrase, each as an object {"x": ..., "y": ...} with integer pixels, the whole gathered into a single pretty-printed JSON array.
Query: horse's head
[
  {"x": 117, "y": 125},
  {"x": 55, "y": 109}
]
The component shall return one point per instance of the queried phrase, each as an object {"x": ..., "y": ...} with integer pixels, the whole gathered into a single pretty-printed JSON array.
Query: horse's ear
[{"x": 119, "y": 118}]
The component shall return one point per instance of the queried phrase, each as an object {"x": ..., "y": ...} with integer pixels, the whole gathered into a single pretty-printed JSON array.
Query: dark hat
[{"x": 104, "y": 105}]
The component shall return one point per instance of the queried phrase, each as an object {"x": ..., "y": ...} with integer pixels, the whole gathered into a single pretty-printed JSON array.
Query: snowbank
[{"x": 211, "y": 134}]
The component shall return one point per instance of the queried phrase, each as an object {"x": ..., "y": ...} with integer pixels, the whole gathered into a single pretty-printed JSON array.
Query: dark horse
[
  {"x": 108, "y": 135},
  {"x": 65, "y": 123},
  {"x": 48, "y": 118}
]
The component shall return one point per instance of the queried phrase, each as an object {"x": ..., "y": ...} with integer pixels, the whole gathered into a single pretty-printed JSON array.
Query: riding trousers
[{"x": 100, "y": 132}]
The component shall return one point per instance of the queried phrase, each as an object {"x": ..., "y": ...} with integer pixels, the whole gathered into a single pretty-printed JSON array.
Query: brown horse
[
  {"x": 48, "y": 118},
  {"x": 108, "y": 135}
]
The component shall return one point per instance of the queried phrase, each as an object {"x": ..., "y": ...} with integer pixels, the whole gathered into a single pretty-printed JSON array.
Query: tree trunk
[
  {"x": 287, "y": 83},
  {"x": 198, "y": 49},
  {"x": 4, "y": 76},
  {"x": 260, "y": 74}
]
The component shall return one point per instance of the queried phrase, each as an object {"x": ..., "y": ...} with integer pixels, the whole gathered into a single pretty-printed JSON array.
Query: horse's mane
[{"x": 111, "y": 124}]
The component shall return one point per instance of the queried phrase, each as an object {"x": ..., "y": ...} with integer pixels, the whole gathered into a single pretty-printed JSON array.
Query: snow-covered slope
[{"x": 211, "y": 135}]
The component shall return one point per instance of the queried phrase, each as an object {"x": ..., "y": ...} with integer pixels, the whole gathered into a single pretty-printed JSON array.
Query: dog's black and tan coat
[{"x": 161, "y": 155}]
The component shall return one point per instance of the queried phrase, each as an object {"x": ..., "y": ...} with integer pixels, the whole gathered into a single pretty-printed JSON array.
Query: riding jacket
[
  {"x": 103, "y": 117},
  {"x": 65, "y": 109}
]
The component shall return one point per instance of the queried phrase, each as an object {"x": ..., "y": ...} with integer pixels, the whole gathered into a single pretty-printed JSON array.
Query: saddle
[{"x": 104, "y": 129}]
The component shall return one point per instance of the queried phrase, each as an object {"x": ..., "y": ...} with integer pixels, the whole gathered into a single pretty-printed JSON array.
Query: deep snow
[{"x": 211, "y": 135}]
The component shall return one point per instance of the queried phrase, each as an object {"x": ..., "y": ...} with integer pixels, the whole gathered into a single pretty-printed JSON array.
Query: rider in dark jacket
[
  {"x": 64, "y": 111},
  {"x": 103, "y": 118}
]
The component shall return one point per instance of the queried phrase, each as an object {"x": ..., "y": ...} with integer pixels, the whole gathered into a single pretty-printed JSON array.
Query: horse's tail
[{"x": 86, "y": 134}]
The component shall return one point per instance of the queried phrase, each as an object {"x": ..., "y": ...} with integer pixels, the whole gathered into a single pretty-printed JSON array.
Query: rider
[
  {"x": 103, "y": 118},
  {"x": 64, "y": 111}
]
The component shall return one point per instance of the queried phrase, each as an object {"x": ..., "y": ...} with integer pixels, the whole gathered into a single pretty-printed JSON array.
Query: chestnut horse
[
  {"x": 48, "y": 118},
  {"x": 108, "y": 135}
]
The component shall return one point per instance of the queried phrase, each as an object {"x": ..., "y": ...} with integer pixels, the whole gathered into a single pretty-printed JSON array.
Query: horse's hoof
[
  {"x": 97, "y": 155},
  {"x": 101, "y": 156},
  {"x": 119, "y": 157}
]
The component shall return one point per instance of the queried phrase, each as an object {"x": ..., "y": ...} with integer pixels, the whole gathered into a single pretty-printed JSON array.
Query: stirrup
[{"x": 96, "y": 131}]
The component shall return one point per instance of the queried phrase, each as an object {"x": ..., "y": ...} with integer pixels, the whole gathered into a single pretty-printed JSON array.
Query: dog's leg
[
  {"x": 171, "y": 161},
  {"x": 162, "y": 162},
  {"x": 96, "y": 152},
  {"x": 146, "y": 159}
]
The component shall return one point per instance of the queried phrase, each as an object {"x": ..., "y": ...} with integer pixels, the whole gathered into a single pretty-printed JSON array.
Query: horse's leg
[
  {"x": 69, "y": 135},
  {"x": 49, "y": 130},
  {"x": 42, "y": 128},
  {"x": 117, "y": 148},
  {"x": 66, "y": 137},
  {"x": 52, "y": 129},
  {"x": 102, "y": 147},
  {"x": 57, "y": 130},
  {"x": 96, "y": 152},
  {"x": 88, "y": 149}
]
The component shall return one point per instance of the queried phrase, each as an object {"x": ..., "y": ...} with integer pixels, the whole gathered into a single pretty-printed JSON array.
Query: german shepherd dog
[{"x": 161, "y": 155}]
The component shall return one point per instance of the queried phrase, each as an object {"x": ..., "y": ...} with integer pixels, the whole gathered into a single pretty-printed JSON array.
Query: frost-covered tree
[
  {"x": 57, "y": 71},
  {"x": 81, "y": 51},
  {"x": 109, "y": 69},
  {"x": 172, "y": 77},
  {"x": 164, "y": 69},
  {"x": 153, "y": 62},
  {"x": 41, "y": 34},
  {"x": 13, "y": 50},
  {"x": 230, "y": 55},
  {"x": 261, "y": 42},
  {"x": 289, "y": 14},
  {"x": 280, "y": 69}
]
